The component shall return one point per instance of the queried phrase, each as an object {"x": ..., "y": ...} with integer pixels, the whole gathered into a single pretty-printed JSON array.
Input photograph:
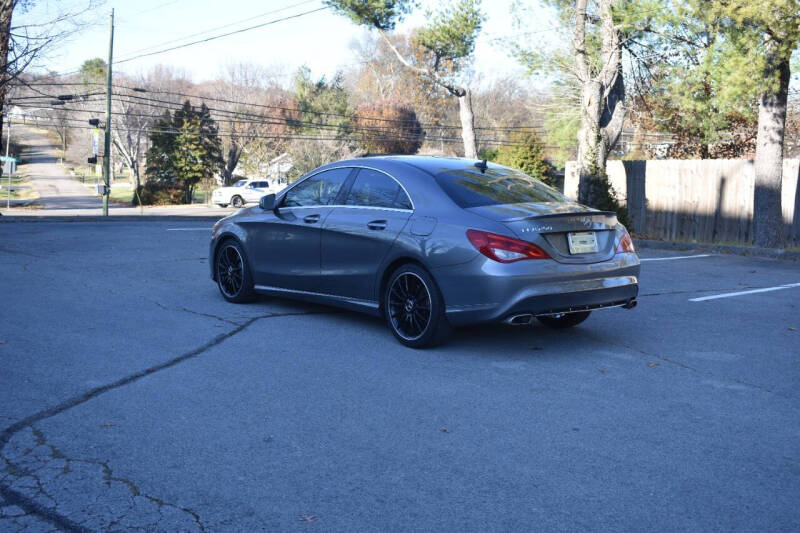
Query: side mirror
[{"x": 267, "y": 202}]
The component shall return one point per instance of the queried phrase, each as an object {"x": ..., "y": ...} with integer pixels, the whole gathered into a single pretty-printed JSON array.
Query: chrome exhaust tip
[
  {"x": 631, "y": 304},
  {"x": 519, "y": 320}
]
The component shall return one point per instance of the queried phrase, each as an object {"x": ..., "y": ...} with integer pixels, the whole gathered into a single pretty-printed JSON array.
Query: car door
[
  {"x": 253, "y": 192},
  {"x": 286, "y": 241},
  {"x": 357, "y": 235}
]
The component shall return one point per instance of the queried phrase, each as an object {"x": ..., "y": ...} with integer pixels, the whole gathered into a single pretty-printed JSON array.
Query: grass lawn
[{"x": 21, "y": 190}]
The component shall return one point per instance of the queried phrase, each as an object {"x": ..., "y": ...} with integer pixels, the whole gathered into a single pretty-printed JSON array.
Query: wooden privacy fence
[{"x": 705, "y": 200}]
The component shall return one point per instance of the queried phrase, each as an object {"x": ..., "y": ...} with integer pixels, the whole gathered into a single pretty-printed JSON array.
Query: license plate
[{"x": 584, "y": 242}]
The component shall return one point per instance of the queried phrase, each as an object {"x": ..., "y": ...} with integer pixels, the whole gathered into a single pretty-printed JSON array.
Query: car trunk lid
[{"x": 567, "y": 231}]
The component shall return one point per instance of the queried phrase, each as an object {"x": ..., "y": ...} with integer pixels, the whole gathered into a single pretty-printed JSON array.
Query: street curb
[
  {"x": 751, "y": 251},
  {"x": 112, "y": 218}
]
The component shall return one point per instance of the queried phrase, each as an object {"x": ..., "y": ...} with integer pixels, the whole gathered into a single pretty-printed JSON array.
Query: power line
[
  {"x": 248, "y": 19},
  {"x": 212, "y": 38},
  {"x": 234, "y": 116}
]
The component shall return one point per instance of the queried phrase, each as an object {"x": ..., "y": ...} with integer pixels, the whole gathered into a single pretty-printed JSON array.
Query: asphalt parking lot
[{"x": 133, "y": 397}]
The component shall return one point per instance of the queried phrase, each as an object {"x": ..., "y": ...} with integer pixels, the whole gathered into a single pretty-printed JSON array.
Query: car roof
[{"x": 429, "y": 163}]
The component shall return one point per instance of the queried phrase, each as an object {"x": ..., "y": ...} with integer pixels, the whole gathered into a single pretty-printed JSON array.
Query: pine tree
[
  {"x": 185, "y": 150},
  {"x": 526, "y": 153}
]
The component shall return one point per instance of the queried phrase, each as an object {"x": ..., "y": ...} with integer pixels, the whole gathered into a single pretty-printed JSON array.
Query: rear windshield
[{"x": 497, "y": 185}]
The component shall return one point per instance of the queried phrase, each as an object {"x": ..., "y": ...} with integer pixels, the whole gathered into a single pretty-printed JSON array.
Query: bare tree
[
  {"x": 21, "y": 45},
  {"x": 381, "y": 77},
  {"x": 129, "y": 133},
  {"x": 449, "y": 37},
  {"x": 253, "y": 110}
]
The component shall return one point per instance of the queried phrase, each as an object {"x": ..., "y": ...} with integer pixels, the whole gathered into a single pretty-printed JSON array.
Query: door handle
[
  {"x": 377, "y": 225},
  {"x": 311, "y": 219}
]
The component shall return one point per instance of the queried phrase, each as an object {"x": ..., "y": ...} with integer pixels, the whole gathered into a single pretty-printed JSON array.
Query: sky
[{"x": 320, "y": 40}]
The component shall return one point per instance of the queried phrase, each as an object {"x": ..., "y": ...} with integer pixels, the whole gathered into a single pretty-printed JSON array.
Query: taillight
[
  {"x": 504, "y": 249},
  {"x": 625, "y": 245}
]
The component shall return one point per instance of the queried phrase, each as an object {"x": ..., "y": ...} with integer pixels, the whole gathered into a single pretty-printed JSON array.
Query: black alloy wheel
[
  {"x": 237, "y": 201},
  {"x": 563, "y": 320},
  {"x": 414, "y": 308},
  {"x": 233, "y": 276}
]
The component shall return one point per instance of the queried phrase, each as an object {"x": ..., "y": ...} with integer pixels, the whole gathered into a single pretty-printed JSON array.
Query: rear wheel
[
  {"x": 233, "y": 275},
  {"x": 414, "y": 308},
  {"x": 237, "y": 201},
  {"x": 563, "y": 320}
]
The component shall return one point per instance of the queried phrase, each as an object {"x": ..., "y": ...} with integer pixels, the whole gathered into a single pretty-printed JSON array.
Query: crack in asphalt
[
  {"x": 11, "y": 251},
  {"x": 687, "y": 367},
  {"x": 198, "y": 313},
  {"x": 31, "y": 507}
]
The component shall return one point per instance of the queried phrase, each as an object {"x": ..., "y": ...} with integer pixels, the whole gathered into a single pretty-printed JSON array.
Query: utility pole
[
  {"x": 8, "y": 141},
  {"x": 107, "y": 143}
]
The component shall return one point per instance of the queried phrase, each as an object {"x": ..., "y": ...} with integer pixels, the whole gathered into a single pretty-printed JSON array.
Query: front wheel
[
  {"x": 233, "y": 275},
  {"x": 414, "y": 308},
  {"x": 237, "y": 202},
  {"x": 563, "y": 320}
]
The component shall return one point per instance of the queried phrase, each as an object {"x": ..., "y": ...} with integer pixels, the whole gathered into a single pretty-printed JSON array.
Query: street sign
[
  {"x": 7, "y": 159},
  {"x": 95, "y": 141}
]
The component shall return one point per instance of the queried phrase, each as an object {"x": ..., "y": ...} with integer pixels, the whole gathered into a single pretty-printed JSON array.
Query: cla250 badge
[{"x": 537, "y": 229}]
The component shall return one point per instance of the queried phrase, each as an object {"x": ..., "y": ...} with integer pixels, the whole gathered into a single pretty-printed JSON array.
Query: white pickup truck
[{"x": 240, "y": 193}]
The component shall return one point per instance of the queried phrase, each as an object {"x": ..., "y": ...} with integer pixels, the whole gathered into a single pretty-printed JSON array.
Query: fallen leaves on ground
[
  {"x": 652, "y": 364},
  {"x": 308, "y": 518},
  {"x": 444, "y": 429},
  {"x": 602, "y": 370}
]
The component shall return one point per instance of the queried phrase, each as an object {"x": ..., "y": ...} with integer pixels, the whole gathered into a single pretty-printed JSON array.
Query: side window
[
  {"x": 375, "y": 189},
  {"x": 320, "y": 189}
]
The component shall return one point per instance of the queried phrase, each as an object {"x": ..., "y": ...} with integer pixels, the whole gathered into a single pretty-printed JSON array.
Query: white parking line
[
  {"x": 675, "y": 257},
  {"x": 188, "y": 229},
  {"x": 742, "y": 293}
]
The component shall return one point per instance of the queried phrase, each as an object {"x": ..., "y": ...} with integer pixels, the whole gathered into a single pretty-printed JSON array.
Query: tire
[
  {"x": 223, "y": 205},
  {"x": 564, "y": 320},
  {"x": 234, "y": 280},
  {"x": 414, "y": 308},
  {"x": 237, "y": 201}
]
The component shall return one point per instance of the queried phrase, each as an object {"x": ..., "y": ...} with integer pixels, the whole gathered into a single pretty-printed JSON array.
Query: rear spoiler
[
  {"x": 575, "y": 221},
  {"x": 579, "y": 214}
]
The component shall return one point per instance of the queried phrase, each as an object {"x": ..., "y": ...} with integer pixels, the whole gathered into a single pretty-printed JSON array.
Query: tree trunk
[
  {"x": 768, "y": 227},
  {"x": 234, "y": 153},
  {"x": 602, "y": 104},
  {"x": 467, "y": 124},
  {"x": 588, "y": 141}
]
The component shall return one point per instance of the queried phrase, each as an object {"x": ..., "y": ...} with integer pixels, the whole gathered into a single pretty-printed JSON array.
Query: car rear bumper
[{"x": 487, "y": 291}]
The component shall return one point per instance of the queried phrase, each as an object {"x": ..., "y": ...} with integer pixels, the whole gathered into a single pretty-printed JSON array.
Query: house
[{"x": 277, "y": 169}]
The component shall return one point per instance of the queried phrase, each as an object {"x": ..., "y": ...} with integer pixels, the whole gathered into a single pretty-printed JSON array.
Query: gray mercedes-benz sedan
[{"x": 428, "y": 243}]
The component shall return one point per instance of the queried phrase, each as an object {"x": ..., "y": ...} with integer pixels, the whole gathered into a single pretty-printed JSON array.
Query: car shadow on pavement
[{"x": 490, "y": 339}]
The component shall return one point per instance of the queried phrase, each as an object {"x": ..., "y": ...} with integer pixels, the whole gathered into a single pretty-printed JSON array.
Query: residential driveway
[
  {"x": 134, "y": 398},
  {"x": 57, "y": 190}
]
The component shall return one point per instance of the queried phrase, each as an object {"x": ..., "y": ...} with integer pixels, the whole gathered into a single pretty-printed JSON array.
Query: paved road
[
  {"x": 134, "y": 397},
  {"x": 57, "y": 190},
  {"x": 61, "y": 195}
]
